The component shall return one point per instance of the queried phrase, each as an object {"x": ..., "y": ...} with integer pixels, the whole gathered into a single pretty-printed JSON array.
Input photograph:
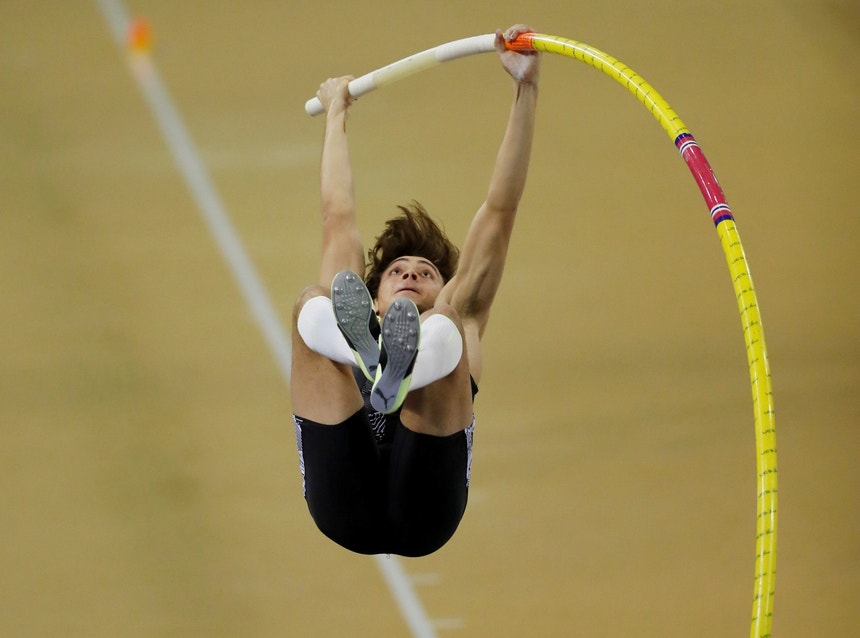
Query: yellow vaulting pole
[
  {"x": 759, "y": 369},
  {"x": 721, "y": 215}
]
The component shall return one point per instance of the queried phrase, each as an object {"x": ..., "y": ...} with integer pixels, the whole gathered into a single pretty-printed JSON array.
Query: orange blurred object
[{"x": 139, "y": 36}]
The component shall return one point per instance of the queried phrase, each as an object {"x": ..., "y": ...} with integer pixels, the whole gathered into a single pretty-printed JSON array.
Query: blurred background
[{"x": 149, "y": 483}]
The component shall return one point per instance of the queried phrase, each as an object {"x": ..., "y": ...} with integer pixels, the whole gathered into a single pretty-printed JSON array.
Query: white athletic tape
[{"x": 411, "y": 65}]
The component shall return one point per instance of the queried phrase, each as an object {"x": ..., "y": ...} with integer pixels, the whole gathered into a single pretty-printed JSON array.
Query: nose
[{"x": 409, "y": 274}]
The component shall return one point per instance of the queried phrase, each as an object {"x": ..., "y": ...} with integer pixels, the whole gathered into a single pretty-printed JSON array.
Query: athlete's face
[{"x": 413, "y": 277}]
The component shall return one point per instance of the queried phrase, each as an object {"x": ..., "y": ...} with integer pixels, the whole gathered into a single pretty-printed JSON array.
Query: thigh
[
  {"x": 443, "y": 407},
  {"x": 320, "y": 389},
  {"x": 428, "y": 488},
  {"x": 344, "y": 481}
]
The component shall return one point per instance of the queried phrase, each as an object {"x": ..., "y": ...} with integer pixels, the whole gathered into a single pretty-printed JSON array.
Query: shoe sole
[
  {"x": 353, "y": 309},
  {"x": 401, "y": 332}
]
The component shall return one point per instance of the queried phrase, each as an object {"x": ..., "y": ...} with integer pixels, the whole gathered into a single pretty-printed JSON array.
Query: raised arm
[
  {"x": 485, "y": 248},
  {"x": 341, "y": 240}
]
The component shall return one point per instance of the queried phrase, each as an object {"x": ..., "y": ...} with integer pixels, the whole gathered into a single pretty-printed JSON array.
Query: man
[{"x": 385, "y": 434}]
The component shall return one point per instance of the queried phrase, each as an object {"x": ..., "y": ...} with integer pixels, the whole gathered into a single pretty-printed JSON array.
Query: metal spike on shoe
[
  {"x": 401, "y": 333},
  {"x": 357, "y": 320}
]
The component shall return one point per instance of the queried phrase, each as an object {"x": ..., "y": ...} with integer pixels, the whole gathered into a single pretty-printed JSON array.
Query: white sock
[
  {"x": 439, "y": 351},
  {"x": 318, "y": 328}
]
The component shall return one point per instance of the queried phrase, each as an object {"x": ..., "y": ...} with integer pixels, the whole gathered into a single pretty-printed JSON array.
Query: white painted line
[
  {"x": 410, "y": 605},
  {"x": 447, "y": 624},
  {"x": 425, "y": 578},
  {"x": 214, "y": 213},
  {"x": 203, "y": 192}
]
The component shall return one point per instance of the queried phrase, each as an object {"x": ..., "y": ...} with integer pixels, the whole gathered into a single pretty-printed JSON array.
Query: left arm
[{"x": 472, "y": 290}]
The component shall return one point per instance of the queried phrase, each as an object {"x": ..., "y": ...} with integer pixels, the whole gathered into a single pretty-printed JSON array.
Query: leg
[
  {"x": 344, "y": 482},
  {"x": 401, "y": 330},
  {"x": 428, "y": 489},
  {"x": 440, "y": 352},
  {"x": 406, "y": 367},
  {"x": 322, "y": 390},
  {"x": 352, "y": 307},
  {"x": 442, "y": 407}
]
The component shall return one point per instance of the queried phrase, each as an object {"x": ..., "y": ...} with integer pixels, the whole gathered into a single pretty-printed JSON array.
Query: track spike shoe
[
  {"x": 357, "y": 320},
  {"x": 401, "y": 333}
]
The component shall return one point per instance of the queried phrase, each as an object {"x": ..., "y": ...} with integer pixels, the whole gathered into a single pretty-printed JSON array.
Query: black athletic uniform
[{"x": 375, "y": 487}]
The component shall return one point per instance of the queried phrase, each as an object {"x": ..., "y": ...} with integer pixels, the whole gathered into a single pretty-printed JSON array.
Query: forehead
[{"x": 412, "y": 260}]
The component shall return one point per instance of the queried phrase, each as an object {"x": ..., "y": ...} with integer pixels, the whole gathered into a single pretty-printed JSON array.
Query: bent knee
[
  {"x": 306, "y": 295},
  {"x": 446, "y": 310}
]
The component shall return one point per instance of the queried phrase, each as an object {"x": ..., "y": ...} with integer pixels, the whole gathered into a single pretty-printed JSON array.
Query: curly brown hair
[{"x": 412, "y": 233}]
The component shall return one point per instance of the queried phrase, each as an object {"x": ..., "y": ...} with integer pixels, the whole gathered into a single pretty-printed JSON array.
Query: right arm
[{"x": 341, "y": 240}]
